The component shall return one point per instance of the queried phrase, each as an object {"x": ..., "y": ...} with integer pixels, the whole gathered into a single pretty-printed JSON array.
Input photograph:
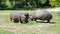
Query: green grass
[
  {"x": 4, "y": 20},
  {"x": 5, "y": 14},
  {"x": 56, "y": 28},
  {"x": 6, "y": 32}
]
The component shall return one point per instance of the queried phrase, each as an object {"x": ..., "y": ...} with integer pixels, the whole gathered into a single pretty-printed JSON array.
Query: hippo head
[{"x": 31, "y": 17}]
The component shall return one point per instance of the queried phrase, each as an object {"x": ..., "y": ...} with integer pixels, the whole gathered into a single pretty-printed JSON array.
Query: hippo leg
[
  {"x": 32, "y": 19},
  {"x": 21, "y": 21},
  {"x": 11, "y": 19},
  {"x": 26, "y": 20},
  {"x": 35, "y": 19},
  {"x": 16, "y": 21},
  {"x": 48, "y": 21}
]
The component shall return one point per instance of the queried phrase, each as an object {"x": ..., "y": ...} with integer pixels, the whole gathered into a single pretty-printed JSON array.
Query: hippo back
[
  {"x": 14, "y": 15},
  {"x": 42, "y": 15}
]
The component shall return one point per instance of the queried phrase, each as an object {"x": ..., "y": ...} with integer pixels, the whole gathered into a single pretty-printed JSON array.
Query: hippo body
[
  {"x": 14, "y": 16},
  {"x": 19, "y": 17},
  {"x": 41, "y": 15}
]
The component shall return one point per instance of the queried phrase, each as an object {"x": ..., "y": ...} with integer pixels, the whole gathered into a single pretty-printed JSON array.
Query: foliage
[
  {"x": 55, "y": 2},
  {"x": 27, "y": 4}
]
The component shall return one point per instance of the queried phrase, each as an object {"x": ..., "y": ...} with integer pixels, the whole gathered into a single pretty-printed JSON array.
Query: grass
[
  {"x": 6, "y": 14},
  {"x": 4, "y": 20},
  {"x": 56, "y": 28},
  {"x": 6, "y": 32}
]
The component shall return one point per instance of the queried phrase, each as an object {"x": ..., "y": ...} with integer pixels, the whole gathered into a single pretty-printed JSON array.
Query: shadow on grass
[
  {"x": 45, "y": 22},
  {"x": 49, "y": 22}
]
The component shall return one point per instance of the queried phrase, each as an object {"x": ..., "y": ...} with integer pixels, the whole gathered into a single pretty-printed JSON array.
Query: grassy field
[
  {"x": 4, "y": 20},
  {"x": 5, "y": 32}
]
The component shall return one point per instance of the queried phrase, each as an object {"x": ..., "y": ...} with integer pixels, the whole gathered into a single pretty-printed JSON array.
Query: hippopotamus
[
  {"x": 24, "y": 17},
  {"x": 19, "y": 17},
  {"x": 14, "y": 16},
  {"x": 41, "y": 15}
]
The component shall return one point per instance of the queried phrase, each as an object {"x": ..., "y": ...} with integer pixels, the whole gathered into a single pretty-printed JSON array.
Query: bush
[
  {"x": 55, "y": 3},
  {"x": 28, "y": 4}
]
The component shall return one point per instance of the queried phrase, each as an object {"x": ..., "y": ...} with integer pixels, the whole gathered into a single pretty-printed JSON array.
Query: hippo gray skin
[
  {"x": 24, "y": 17},
  {"x": 41, "y": 15},
  {"x": 19, "y": 17}
]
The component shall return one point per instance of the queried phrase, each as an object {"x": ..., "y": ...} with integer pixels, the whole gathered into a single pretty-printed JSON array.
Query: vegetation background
[
  {"x": 8, "y": 27},
  {"x": 27, "y": 4}
]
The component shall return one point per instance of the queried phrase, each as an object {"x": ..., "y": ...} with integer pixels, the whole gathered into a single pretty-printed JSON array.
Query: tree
[{"x": 55, "y": 3}]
